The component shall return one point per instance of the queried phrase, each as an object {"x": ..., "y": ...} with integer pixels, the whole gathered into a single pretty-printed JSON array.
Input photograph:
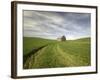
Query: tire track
[
  {"x": 71, "y": 58},
  {"x": 68, "y": 59}
]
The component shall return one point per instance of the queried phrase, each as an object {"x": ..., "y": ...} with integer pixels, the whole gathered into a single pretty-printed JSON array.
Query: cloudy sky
[{"x": 52, "y": 25}]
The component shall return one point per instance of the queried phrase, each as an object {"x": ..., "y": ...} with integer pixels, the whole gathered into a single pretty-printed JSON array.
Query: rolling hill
[{"x": 45, "y": 53}]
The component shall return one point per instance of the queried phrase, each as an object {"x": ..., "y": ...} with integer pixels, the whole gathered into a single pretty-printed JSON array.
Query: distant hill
[
  {"x": 33, "y": 42},
  {"x": 84, "y": 39}
]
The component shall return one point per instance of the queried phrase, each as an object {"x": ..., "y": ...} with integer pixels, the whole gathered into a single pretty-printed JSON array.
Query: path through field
[{"x": 57, "y": 55}]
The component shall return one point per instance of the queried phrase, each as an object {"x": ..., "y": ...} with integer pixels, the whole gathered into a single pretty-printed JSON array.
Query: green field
[{"x": 45, "y": 53}]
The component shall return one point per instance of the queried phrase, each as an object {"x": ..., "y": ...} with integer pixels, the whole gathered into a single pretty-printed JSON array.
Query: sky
[{"x": 53, "y": 25}]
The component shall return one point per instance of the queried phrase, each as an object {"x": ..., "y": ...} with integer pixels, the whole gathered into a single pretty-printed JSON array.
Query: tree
[{"x": 63, "y": 38}]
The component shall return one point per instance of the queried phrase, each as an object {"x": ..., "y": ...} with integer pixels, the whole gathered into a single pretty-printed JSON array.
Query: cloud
[{"x": 55, "y": 24}]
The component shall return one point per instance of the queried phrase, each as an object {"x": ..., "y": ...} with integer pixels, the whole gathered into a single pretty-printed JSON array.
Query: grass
[{"x": 44, "y": 53}]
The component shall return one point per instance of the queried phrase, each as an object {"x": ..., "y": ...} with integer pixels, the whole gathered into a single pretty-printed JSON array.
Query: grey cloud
[{"x": 54, "y": 24}]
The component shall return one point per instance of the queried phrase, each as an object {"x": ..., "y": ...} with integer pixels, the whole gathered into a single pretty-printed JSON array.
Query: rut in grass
[{"x": 31, "y": 53}]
